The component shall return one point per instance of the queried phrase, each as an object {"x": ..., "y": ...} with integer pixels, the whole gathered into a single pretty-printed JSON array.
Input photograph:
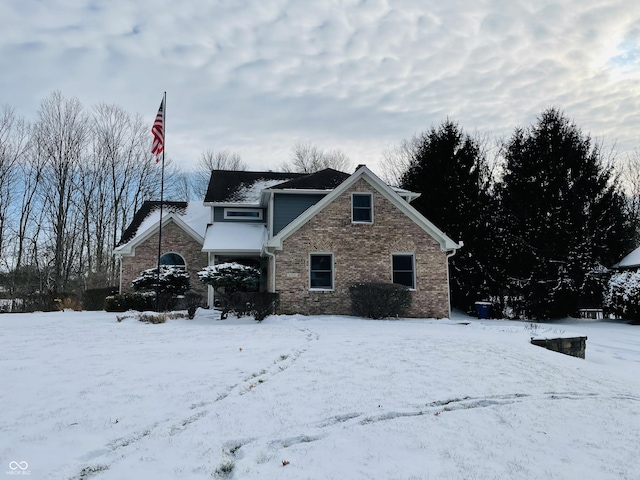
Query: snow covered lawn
[{"x": 83, "y": 396}]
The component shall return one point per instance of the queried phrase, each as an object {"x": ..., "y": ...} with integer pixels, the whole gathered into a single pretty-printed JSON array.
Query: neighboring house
[
  {"x": 312, "y": 235},
  {"x": 631, "y": 261}
]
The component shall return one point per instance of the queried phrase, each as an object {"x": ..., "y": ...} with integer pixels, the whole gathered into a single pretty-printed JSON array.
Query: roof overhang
[{"x": 235, "y": 238}]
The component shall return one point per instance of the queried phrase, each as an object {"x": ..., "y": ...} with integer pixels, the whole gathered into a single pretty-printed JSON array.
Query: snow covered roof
[
  {"x": 235, "y": 237},
  {"x": 631, "y": 260},
  {"x": 326, "y": 179},
  {"x": 227, "y": 186},
  {"x": 194, "y": 216}
]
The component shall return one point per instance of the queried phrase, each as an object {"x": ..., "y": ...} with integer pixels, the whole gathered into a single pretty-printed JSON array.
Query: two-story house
[{"x": 312, "y": 235}]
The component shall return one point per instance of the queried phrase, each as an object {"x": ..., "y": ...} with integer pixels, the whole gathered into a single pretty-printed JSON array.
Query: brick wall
[
  {"x": 362, "y": 253},
  {"x": 174, "y": 239}
]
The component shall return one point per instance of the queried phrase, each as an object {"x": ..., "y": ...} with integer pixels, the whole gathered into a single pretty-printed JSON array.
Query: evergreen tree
[
  {"x": 449, "y": 168},
  {"x": 561, "y": 218}
]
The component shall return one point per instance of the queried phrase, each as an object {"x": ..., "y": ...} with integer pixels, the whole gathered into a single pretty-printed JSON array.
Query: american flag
[{"x": 158, "y": 133}]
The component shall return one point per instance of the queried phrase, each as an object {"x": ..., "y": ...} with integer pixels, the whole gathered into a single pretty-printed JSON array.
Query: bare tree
[
  {"x": 212, "y": 160},
  {"x": 61, "y": 134},
  {"x": 126, "y": 177},
  {"x": 308, "y": 158},
  {"x": 397, "y": 160},
  {"x": 13, "y": 145},
  {"x": 629, "y": 171}
]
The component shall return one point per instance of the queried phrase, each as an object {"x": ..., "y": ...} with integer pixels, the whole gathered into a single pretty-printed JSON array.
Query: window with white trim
[
  {"x": 321, "y": 271},
  {"x": 404, "y": 269},
  {"x": 362, "y": 208},
  {"x": 243, "y": 214}
]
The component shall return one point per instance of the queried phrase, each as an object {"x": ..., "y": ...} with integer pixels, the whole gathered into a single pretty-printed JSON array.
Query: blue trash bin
[{"x": 483, "y": 309}]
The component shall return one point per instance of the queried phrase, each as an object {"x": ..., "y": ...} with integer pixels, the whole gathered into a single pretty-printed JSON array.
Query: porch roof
[{"x": 235, "y": 237}]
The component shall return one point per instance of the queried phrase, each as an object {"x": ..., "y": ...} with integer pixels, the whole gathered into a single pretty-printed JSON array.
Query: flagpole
[{"x": 164, "y": 131}]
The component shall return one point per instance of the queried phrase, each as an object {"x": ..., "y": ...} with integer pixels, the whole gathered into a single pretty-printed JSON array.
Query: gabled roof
[
  {"x": 326, "y": 179},
  {"x": 192, "y": 217},
  {"x": 445, "y": 242},
  {"x": 229, "y": 186},
  {"x": 145, "y": 211}
]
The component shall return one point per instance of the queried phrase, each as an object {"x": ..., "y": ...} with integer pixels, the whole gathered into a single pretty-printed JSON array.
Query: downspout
[
  {"x": 120, "y": 279},
  {"x": 270, "y": 236},
  {"x": 449, "y": 255},
  {"x": 273, "y": 269},
  {"x": 211, "y": 296}
]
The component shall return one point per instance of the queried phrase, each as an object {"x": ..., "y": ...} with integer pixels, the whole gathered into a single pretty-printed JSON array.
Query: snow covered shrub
[
  {"x": 379, "y": 300},
  {"x": 623, "y": 295},
  {"x": 173, "y": 280},
  {"x": 232, "y": 277}
]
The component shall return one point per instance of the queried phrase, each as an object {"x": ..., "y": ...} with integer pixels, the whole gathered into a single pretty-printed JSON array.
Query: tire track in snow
[
  {"x": 279, "y": 365},
  {"x": 322, "y": 429}
]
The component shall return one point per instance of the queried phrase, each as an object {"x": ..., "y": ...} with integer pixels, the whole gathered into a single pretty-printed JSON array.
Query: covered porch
[{"x": 227, "y": 242}]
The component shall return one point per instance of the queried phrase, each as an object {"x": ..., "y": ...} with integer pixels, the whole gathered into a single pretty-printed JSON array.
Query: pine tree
[
  {"x": 449, "y": 168},
  {"x": 561, "y": 218}
]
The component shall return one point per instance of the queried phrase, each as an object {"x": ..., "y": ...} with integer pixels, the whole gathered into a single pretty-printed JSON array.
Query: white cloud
[{"x": 256, "y": 77}]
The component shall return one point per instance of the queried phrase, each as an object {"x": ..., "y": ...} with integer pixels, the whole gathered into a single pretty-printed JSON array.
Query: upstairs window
[
  {"x": 404, "y": 271},
  {"x": 243, "y": 214},
  {"x": 362, "y": 208},
  {"x": 321, "y": 271}
]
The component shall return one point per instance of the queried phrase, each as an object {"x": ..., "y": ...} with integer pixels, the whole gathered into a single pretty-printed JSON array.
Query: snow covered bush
[
  {"x": 173, "y": 280},
  {"x": 379, "y": 300},
  {"x": 232, "y": 277},
  {"x": 623, "y": 295}
]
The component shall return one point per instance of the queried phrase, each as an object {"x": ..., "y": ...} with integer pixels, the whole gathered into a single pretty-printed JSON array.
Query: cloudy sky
[{"x": 257, "y": 76}]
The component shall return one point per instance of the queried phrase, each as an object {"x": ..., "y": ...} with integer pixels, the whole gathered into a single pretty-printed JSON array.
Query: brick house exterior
[
  {"x": 314, "y": 235},
  {"x": 175, "y": 240},
  {"x": 183, "y": 228},
  {"x": 361, "y": 253}
]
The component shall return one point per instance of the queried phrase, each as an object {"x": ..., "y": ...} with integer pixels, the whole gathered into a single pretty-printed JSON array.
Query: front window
[
  {"x": 321, "y": 271},
  {"x": 404, "y": 270},
  {"x": 362, "y": 204}
]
